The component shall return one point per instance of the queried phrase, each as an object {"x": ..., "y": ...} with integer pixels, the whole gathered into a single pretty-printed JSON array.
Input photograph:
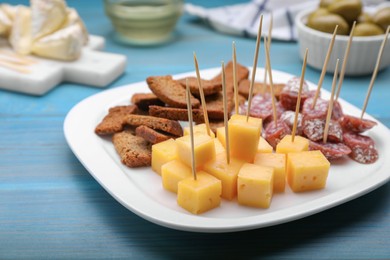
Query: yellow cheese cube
[
  {"x": 162, "y": 153},
  {"x": 244, "y": 136},
  {"x": 201, "y": 128},
  {"x": 227, "y": 173},
  {"x": 218, "y": 147},
  {"x": 221, "y": 135},
  {"x": 264, "y": 146},
  {"x": 255, "y": 185},
  {"x": 278, "y": 162},
  {"x": 204, "y": 149},
  {"x": 307, "y": 170},
  {"x": 200, "y": 195},
  {"x": 172, "y": 172},
  {"x": 286, "y": 145}
]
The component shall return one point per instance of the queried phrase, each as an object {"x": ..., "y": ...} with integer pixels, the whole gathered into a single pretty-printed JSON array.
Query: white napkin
[{"x": 243, "y": 19}]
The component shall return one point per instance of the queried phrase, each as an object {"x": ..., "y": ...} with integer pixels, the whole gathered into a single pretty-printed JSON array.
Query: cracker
[
  {"x": 258, "y": 88},
  {"x": 151, "y": 135},
  {"x": 209, "y": 86},
  {"x": 157, "y": 123},
  {"x": 114, "y": 121},
  {"x": 170, "y": 91},
  {"x": 144, "y": 100},
  {"x": 134, "y": 151},
  {"x": 242, "y": 73},
  {"x": 179, "y": 114}
]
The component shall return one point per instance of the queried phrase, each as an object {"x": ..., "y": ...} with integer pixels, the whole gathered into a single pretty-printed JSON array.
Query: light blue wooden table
[{"x": 51, "y": 207}]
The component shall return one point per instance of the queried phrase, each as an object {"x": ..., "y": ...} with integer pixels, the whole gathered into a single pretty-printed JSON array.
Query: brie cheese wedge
[
  {"x": 64, "y": 44},
  {"x": 5, "y": 23},
  {"x": 20, "y": 36},
  {"x": 47, "y": 17},
  {"x": 9, "y": 10},
  {"x": 74, "y": 18}
]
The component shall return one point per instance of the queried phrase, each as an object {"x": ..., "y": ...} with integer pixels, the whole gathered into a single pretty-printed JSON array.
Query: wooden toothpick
[
  {"x": 294, "y": 130},
  {"x": 330, "y": 105},
  {"x": 225, "y": 113},
  {"x": 341, "y": 76},
  {"x": 235, "y": 84},
  {"x": 323, "y": 72},
  {"x": 190, "y": 121},
  {"x": 268, "y": 42},
  {"x": 202, "y": 98},
  {"x": 258, "y": 40},
  {"x": 378, "y": 61},
  {"x": 269, "y": 69}
]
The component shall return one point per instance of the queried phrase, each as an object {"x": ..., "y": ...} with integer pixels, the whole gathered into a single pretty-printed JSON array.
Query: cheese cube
[
  {"x": 200, "y": 195},
  {"x": 264, "y": 146},
  {"x": 162, "y": 153},
  {"x": 172, "y": 172},
  {"x": 221, "y": 135},
  {"x": 286, "y": 145},
  {"x": 204, "y": 149},
  {"x": 218, "y": 147},
  {"x": 244, "y": 136},
  {"x": 307, "y": 170},
  {"x": 278, "y": 162},
  {"x": 255, "y": 185},
  {"x": 227, "y": 173},
  {"x": 201, "y": 128}
]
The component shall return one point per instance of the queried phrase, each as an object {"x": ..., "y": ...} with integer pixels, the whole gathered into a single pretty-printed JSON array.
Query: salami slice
[
  {"x": 313, "y": 128},
  {"x": 289, "y": 95},
  {"x": 321, "y": 109},
  {"x": 274, "y": 133},
  {"x": 261, "y": 107},
  {"x": 355, "y": 124},
  {"x": 362, "y": 147},
  {"x": 289, "y": 116},
  {"x": 332, "y": 151}
]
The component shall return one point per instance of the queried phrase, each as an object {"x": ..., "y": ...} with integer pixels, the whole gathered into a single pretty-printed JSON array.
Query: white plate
[{"x": 140, "y": 190}]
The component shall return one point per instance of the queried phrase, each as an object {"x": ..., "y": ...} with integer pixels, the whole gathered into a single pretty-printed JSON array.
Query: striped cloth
[{"x": 243, "y": 19}]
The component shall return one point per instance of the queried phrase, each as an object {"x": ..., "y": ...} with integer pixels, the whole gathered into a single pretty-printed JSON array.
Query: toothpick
[
  {"x": 323, "y": 72},
  {"x": 341, "y": 76},
  {"x": 330, "y": 105},
  {"x": 378, "y": 61},
  {"x": 269, "y": 45},
  {"x": 14, "y": 67},
  {"x": 258, "y": 40},
  {"x": 235, "y": 78},
  {"x": 225, "y": 113},
  {"x": 202, "y": 98},
  {"x": 299, "y": 96},
  {"x": 190, "y": 121},
  {"x": 269, "y": 69}
]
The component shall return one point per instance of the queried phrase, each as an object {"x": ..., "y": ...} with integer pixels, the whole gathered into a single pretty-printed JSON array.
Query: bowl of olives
[{"x": 315, "y": 29}]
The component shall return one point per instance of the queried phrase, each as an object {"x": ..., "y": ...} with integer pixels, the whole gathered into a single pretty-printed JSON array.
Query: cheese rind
[
  {"x": 172, "y": 173},
  {"x": 200, "y": 195},
  {"x": 255, "y": 185},
  {"x": 307, "y": 171},
  {"x": 162, "y": 153},
  {"x": 278, "y": 162},
  {"x": 204, "y": 149},
  {"x": 286, "y": 145},
  {"x": 244, "y": 136},
  {"x": 227, "y": 173}
]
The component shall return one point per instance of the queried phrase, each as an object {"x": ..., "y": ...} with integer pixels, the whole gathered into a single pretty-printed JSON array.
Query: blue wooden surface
[{"x": 51, "y": 207}]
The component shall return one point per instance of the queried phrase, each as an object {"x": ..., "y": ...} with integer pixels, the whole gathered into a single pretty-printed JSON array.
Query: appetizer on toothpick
[
  {"x": 235, "y": 83},
  {"x": 269, "y": 69}
]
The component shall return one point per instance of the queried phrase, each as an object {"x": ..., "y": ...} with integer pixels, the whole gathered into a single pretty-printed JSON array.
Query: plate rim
[{"x": 186, "y": 222}]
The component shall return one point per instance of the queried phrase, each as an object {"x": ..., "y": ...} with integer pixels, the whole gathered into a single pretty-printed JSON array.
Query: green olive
[
  {"x": 367, "y": 29},
  {"x": 327, "y": 23},
  {"x": 365, "y": 18},
  {"x": 382, "y": 17},
  {"x": 325, "y": 3},
  {"x": 348, "y": 9},
  {"x": 318, "y": 12}
]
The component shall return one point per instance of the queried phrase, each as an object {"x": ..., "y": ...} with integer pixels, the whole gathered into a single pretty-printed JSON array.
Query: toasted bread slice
[
  {"x": 157, "y": 123},
  {"x": 180, "y": 114},
  {"x": 144, "y": 100},
  {"x": 115, "y": 120},
  {"x": 209, "y": 86},
  {"x": 151, "y": 135}
]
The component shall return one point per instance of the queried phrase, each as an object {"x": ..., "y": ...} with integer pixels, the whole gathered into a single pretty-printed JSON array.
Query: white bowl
[{"x": 362, "y": 56}]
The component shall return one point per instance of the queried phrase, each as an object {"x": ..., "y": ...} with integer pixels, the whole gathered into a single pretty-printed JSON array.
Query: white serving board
[{"x": 93, "y": 68}]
